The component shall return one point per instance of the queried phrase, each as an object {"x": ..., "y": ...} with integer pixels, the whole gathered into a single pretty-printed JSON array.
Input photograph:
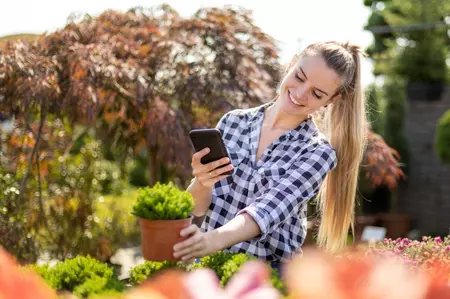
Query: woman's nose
[{"x": 300, "y": 92}]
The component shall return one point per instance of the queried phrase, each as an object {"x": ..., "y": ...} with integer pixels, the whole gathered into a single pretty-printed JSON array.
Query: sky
[{"x": 293, "y": 24}]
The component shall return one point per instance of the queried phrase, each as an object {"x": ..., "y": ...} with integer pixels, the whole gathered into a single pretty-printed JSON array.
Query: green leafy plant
[
  {"x": 226, "y": 264},
  {"x": 163, "y": 202},
  {"x": 148, "y": 269},
  {"x": 82, "y": 275},
  {"x": 233, "y": 265},
  {"x": 214, "y": 261},
  {"x": 443, "y": 138}
]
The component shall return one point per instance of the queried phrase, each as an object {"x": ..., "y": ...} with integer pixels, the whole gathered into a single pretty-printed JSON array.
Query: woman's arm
[
  {"x": 202, "y": 197},
  {"x": 241, "y": 228},
  {"x": 198, "y": 244}
]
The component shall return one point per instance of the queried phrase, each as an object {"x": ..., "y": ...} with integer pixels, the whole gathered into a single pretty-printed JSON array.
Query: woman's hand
[
  {"x": 197, "y": 245},
  {"x": 207, "y": 174}
]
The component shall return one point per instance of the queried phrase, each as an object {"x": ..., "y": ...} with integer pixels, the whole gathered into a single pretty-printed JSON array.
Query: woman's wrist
[{"x": 202, "y": 197}]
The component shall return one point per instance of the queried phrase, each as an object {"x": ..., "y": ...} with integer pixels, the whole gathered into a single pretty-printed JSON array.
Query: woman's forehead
[{"x": 317, "y": 72}]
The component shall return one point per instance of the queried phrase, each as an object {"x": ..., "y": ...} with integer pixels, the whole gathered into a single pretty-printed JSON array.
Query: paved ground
[{"x": 127, "y": 258}]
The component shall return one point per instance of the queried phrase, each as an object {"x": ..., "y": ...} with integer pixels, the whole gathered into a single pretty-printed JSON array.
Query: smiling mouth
[{"x": 293, "y": 100}]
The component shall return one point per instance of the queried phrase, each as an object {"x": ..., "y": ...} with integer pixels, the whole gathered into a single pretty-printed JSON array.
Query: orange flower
[
  {"x": 18, "y": 283},
  {"x": 316, "y": 275}
]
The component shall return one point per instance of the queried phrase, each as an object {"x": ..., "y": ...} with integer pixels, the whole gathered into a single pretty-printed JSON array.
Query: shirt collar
[{"x": 304, "y": 131}]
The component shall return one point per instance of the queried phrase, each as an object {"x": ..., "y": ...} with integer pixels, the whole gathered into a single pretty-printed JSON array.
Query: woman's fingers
[
  {"x": 197, "y": 157},
  {"x": 190, "y": 252},
  {"x": 215, "y": 173}
]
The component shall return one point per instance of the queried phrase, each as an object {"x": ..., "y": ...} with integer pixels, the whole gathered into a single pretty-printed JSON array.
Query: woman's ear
[{"x": 334, "y": 99}]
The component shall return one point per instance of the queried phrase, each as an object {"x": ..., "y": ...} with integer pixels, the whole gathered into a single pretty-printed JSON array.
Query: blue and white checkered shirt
[{"x": 275, "y": 189}]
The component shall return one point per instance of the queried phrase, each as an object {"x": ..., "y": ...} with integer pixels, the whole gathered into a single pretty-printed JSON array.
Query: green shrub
[
  {"x": 84, "y": 276},
  {"x": 214, "y": 261},
  {"x": 142, "y": 272},
  {"x": 226, "y": 264},
  {"x": 443, "y": 138},
  {"x": 233, "y": 265},
  {"x": 163, "y": 202}
]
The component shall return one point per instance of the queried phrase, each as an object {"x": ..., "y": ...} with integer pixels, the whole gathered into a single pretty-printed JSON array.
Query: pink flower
[
  {"x": 438, "y": 240},
  {"x": 252, "y": 281}
]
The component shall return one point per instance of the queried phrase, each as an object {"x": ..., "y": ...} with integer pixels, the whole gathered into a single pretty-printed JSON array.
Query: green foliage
[
  {"x": 226, "y": 264},
  {"x": 416, "y": 53},
  {"x": 163, "y": 202},
  {"x": 214, "y": 261},
  {"x": 142, "y": 272},
  {"x": 84, "y": 276},
  {"x": 109, "y": 176},
  {"x": 139, "y": 172},
  {"x": 375, "y": 116},
  {"x": 442, "y": 139},
  {"x": 233, "y": 265}
]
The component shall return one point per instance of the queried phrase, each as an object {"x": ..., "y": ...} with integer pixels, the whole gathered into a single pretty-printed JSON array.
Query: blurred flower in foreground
[
  {"x": 252, "y": 281},
  {"x": 316, "y": 275},
  {"x": 16, "y": 282}
]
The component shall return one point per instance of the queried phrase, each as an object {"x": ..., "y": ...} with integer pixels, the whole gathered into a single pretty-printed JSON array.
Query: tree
[
  {"x": 410, "y": 39},
  {"x": 145, "y": 76}
]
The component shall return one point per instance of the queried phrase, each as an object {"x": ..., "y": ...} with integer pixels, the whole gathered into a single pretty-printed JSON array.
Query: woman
[{"x": 281, "y": 160}]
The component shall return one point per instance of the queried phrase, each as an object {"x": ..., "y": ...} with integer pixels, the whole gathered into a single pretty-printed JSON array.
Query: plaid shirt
[{"x": 275, "y": 189}]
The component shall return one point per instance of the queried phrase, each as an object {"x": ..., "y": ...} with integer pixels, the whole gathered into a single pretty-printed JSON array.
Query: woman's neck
[{"x": 278, "y": 119}]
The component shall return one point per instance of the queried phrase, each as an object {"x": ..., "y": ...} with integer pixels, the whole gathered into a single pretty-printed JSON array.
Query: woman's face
[{"x": 308, "y": 86}]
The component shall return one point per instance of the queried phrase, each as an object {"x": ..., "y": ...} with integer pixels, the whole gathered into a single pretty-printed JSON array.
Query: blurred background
[{"x": 97, "y": 97}]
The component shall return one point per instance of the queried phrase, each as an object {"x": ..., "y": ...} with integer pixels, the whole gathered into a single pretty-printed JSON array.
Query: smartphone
[{"x": 211, "y": 138}]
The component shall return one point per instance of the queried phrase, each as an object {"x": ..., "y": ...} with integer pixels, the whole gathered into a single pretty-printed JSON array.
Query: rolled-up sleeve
[{"x": 300, "y": 183}]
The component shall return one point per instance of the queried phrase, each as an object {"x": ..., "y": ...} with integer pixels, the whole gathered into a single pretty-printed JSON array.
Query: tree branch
[{"x": 33, "y": 153}]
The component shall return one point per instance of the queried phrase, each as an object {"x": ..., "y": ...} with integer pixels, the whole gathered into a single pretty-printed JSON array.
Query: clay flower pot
[{"x": 159, "y": 236}]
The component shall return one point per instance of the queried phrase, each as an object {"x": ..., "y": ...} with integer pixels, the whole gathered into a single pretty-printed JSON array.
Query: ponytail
[{"x": 345, "y": 122}]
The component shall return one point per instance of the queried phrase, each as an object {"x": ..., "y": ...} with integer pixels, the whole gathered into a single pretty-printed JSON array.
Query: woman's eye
[
  {"x": 298, "y": 78},
  {"x": 316, "y": 95}
]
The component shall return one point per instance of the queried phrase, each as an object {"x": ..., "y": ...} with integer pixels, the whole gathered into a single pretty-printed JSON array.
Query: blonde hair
[{"x": 345, "y": 124}]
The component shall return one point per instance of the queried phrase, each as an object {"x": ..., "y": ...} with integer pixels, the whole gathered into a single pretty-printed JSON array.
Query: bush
[
  {"x": 84, "y": 276},
  {"x": 443, "y": 138},
  {"x": 232, "y": 266},
  {"x": 214, "y": 261},
  {"x": 226, "y": 264},
  {"x": 163, "y": 202},
  {"x": 142, "y": 272}
]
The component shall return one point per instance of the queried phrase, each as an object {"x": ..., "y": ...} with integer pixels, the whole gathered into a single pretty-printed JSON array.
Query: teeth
[{"x": 294, "y": 101}]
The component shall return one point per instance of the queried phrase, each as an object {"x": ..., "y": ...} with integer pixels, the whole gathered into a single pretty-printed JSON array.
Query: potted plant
[{"x": 163, "y": 211}]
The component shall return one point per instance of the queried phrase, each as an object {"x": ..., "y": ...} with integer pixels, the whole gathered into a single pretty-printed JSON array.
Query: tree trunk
[{"x": 153, "y": 166}]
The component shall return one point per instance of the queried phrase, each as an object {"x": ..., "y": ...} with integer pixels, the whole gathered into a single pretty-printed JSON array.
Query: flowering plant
[{"x": 430, "y": 254}]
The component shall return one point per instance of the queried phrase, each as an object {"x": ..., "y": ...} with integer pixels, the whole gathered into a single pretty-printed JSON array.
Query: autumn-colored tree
[
  {"x": 380, "y": 164},
  {"x": 145, "y": 77}
]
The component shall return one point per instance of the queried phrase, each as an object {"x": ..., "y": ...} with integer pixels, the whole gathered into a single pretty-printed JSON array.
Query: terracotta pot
[
  {"x": 396, "y": 224},
  {"x": 159, "y": 236}
]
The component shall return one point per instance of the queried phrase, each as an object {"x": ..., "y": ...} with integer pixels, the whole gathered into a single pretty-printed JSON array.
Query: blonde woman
[{"x": 281, "y": 160}]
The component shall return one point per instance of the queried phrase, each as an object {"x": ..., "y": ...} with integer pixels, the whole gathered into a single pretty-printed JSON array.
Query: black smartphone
[{"x": 211, "y": 138}]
